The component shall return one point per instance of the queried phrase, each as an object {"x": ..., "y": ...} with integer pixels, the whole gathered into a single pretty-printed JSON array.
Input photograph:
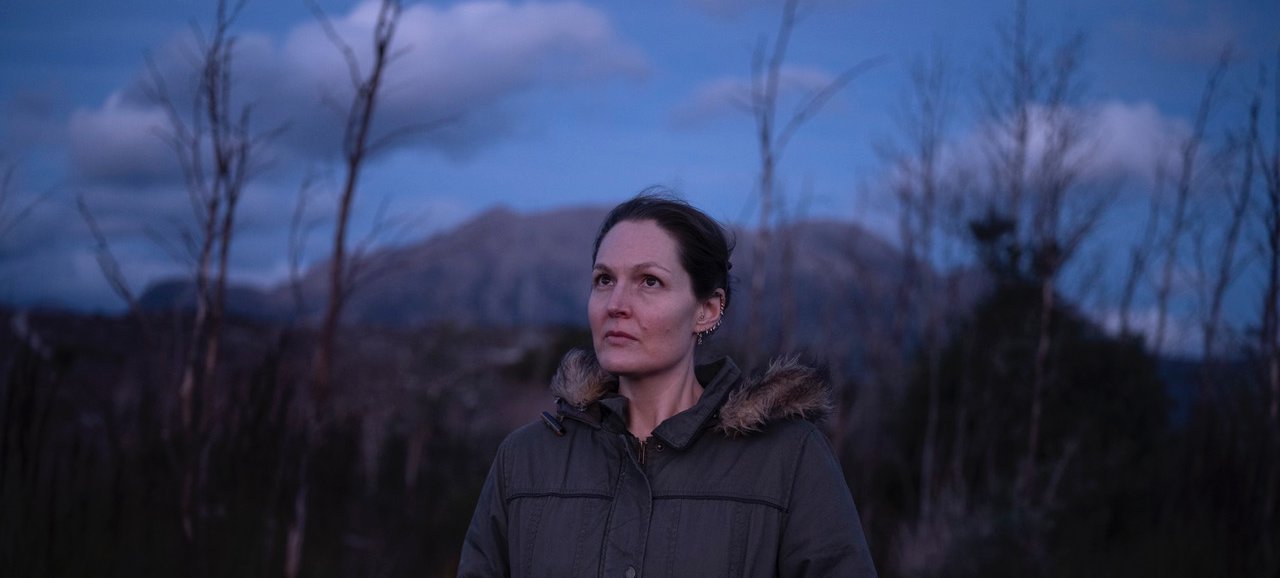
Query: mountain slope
[{"x": 507, "y": 269}]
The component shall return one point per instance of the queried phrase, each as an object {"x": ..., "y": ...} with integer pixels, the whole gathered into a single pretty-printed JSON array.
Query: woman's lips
[{"x": 618, "y": 337}]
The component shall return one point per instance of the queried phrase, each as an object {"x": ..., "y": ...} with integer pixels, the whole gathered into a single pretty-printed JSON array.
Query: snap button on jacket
[{"x": 740, "y": 484}]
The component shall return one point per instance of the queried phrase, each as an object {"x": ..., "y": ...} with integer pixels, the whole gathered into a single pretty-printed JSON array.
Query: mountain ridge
[{"x": 505, "y": 268}]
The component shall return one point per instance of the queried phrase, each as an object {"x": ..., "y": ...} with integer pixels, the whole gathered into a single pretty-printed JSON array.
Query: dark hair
[{"x": 703, "y": 244}]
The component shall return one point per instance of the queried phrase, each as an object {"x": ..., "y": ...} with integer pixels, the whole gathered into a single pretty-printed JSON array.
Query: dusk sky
[{"x": 555, "y": 104}]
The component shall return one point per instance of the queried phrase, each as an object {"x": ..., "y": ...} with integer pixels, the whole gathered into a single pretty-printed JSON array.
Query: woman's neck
[{"x": 653, "y": 399}]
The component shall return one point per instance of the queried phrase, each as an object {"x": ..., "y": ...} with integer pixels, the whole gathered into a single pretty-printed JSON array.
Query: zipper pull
[{"x": 553, "y": 422}]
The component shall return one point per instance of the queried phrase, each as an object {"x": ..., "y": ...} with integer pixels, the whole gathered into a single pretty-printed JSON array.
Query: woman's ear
[{"x": 710, "y": 312}]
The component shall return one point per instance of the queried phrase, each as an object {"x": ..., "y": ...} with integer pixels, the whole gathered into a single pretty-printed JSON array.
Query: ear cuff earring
[{"x": 702, "y": 334}]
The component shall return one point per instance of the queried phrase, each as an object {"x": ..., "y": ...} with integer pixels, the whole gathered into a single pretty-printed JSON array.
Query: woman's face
[{"x": 644, "y": 316}]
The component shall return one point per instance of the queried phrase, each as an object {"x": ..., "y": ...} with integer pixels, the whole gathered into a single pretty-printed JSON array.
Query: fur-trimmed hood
[{"x": 787, "y": 389}]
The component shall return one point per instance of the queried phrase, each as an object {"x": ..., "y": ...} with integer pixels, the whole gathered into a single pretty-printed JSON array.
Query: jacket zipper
[{"x": 644, "y": 449}]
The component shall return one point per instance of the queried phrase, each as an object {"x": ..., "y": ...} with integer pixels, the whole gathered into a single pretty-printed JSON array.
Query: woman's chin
[
  {"x": 616, "y": 362},
  {"x": 631, "y": 363},
  {"x": 625, "y": 361}
]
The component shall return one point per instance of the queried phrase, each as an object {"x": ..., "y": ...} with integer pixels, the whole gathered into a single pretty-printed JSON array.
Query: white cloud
[
  {"x": 1117, "y": 141},
  {"x": 1131, "y": 139},
  {"x": 468, "y": 61},
  {"x": 121, "y": 142}
]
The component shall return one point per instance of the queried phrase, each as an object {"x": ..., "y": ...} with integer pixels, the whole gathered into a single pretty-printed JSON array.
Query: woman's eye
[
  {"x": 602, "y": 280},
  {"x": 651, "y": 281}
]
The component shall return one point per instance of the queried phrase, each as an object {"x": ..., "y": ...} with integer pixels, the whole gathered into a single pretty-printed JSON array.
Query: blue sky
[{"x": 557, "y": 103}]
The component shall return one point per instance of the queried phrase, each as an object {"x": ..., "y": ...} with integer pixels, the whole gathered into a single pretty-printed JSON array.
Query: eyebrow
[{"x": 636, "y": 267}]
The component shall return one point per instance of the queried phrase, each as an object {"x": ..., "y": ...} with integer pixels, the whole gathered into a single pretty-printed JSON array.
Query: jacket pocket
[
  {"x": 556, "y": 534},
  {"x": 713, "y": 536}
]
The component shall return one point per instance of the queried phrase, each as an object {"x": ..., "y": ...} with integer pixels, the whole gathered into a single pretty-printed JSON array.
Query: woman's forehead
[{"x": 632, "y": 243}]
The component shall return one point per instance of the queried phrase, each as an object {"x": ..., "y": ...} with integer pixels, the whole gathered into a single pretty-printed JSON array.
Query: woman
[{"x": 654, "y": 467}]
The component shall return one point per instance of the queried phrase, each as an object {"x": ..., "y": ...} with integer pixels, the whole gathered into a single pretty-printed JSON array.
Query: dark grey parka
[{"x": 740, "y": 484}]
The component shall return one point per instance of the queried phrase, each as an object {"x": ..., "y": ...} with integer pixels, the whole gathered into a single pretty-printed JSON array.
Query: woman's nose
[{"x": 619, "y": 302}]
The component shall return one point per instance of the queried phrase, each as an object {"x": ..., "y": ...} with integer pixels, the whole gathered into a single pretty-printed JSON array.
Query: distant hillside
[
  {"x": 242, "y": 300},
  {"x": 504, "y": 269},
  {"x": 499, "y": 269}
]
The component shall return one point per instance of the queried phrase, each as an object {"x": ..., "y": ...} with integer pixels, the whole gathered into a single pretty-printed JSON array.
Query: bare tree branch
[
  {"x": 1269, "y": 214},
  {"x": 356, "y": 146},
  {"x": 10, "y": 218},
  {"x": 1228, "y": 267},
  {"x": 766, "y": 72},
  {"x": 1140, "y": 252},
  {"x": 819, "y": 99},
  {"x": 1186, "y": 175},
  {"x": 411, "y": 130},
  {"x": 107, "y": 262},
  {"x": 348, "y": 54},
  {"x": 298, "y": 232}
]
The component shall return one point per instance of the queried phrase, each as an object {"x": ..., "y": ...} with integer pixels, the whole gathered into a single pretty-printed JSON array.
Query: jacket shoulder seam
[{"x": 801, "y": 448}]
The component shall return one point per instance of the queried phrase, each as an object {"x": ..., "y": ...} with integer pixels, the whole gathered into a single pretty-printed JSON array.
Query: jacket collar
[{"x": 734, "y": 406}]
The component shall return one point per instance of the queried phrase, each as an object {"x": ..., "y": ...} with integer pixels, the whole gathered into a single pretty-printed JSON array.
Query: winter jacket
[{"x": 740, "y": 484}]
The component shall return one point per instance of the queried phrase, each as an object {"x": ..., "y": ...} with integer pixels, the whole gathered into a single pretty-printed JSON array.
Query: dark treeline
[
  {"x": 1135, "y": 476},
  {"x": 93, "y": 464},
  {"x": 1139, "y": 471}
]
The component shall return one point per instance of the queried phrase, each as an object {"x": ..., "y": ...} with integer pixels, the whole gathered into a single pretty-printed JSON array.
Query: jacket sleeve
[
  {"x": 484, "y": 549},
  {"x": 822, "y": 535}
]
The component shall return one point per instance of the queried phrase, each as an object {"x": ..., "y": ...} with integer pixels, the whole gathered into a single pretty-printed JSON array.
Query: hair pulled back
[{"x": 703, "y": 244}]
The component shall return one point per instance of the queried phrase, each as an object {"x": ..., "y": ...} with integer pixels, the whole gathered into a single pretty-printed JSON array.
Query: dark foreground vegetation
[{"x": 101, "y": 476}]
